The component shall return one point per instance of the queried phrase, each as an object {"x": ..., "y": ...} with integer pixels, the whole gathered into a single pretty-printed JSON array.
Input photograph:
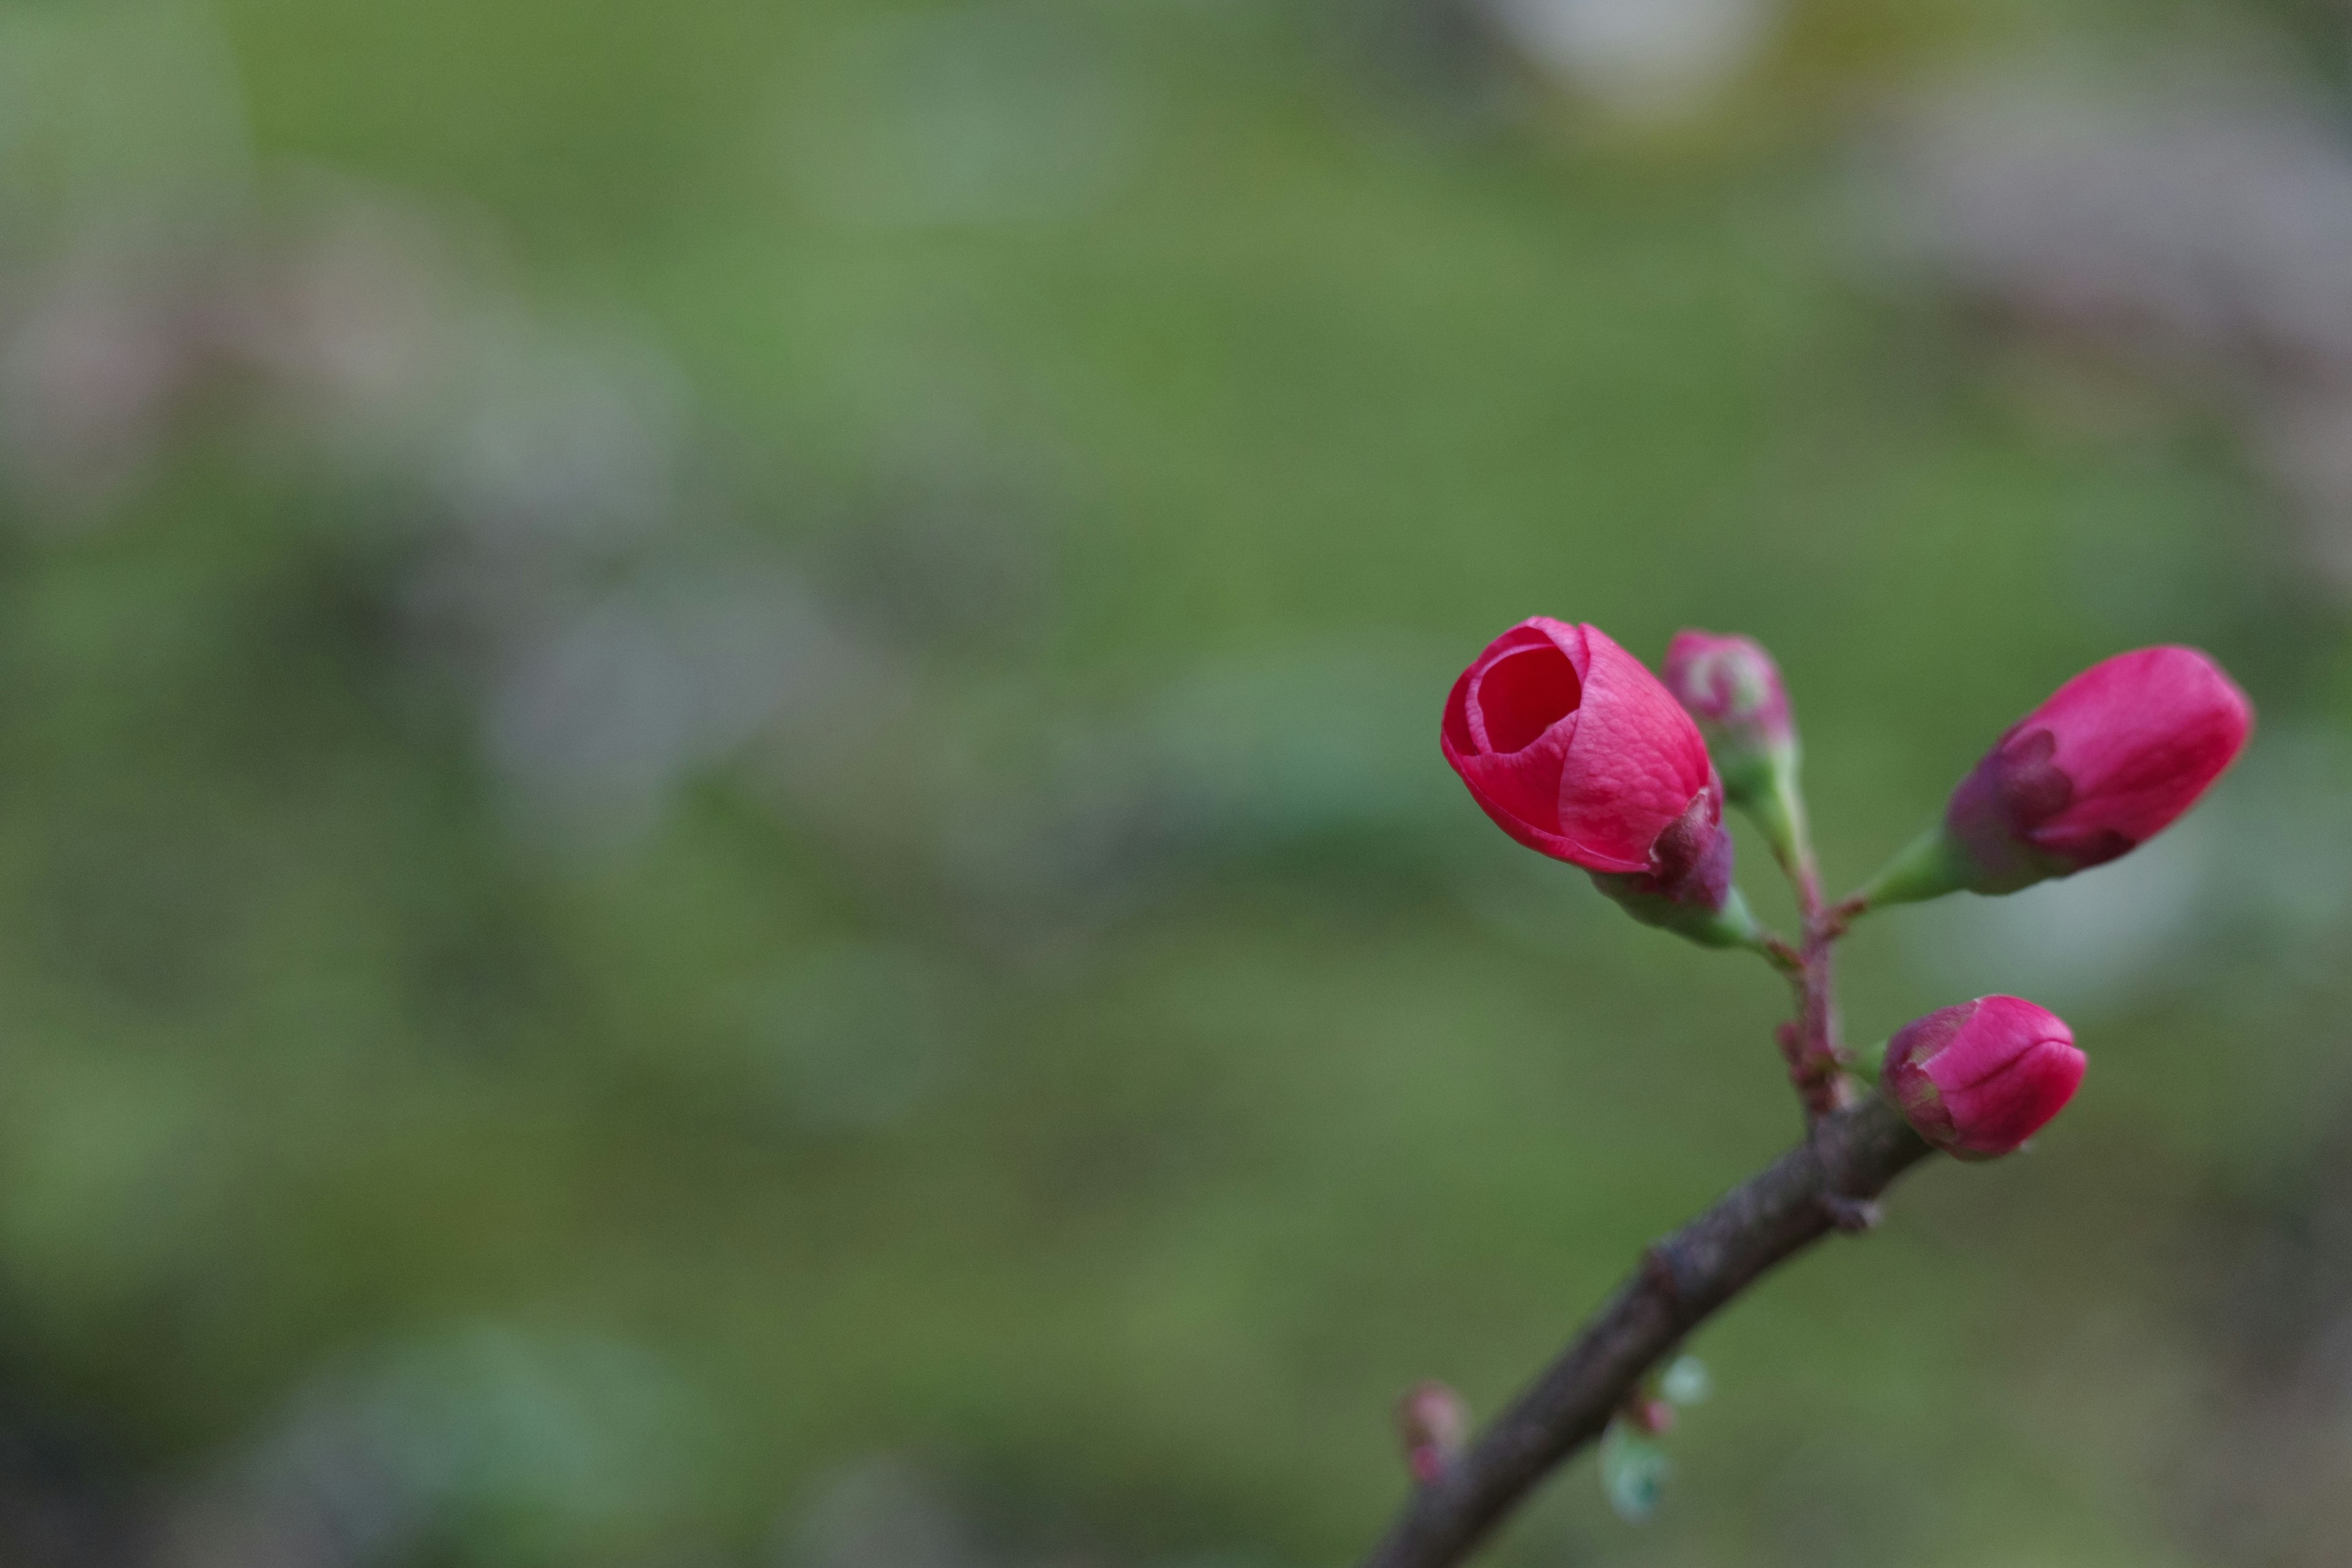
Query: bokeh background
[{"x": 720, "y": 835}]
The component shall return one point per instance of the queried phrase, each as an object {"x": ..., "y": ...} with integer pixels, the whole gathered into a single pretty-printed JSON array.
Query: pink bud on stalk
[
  {"x": 1435, "y": 1424},
  {"x": 1575, "y": 750},
  {"x": 2106, "y": 763},
  {"x": 1730, "y": 684},
  {"x": 1978, "y": 1080}
]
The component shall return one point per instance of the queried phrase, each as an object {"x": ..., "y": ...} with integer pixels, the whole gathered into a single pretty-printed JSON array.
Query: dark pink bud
[
  {"x": 1733, "y": 688},
  {"x": 1574, "y": 748},
  {"x": 1978, "y": 1080},
  {"x": 2105, "y": 764}
]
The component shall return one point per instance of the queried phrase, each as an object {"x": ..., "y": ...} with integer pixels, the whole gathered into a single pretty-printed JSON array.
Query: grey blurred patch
[
  {"x": 2204, "y": 211},
  {"x": 575, "y": 435},
  {"x": 2287, "y": 870},
  {"x": 602, "y": 710},
  {"x": 2192, "y": 221},
  {"x": 992, "y": 113},
  {"x": 2080, "y": 942},
  {"x": 314, "y": 321}
]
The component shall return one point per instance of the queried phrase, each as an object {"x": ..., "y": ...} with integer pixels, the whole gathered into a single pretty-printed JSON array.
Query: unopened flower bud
[
  {"x": 2106, "y": 763},
  {"x": 1978, "y": 1080},
  {"x": 1574, "y": 749},
  {"x": 1730, "y": 684},
  {"x": 1435, "y": 1424}
]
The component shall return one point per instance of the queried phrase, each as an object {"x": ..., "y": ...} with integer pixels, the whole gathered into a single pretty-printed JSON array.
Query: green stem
[
  {"x": 1868, "y": 1066},
  {"x": 1779, "y": 812},
  {"x": 1928, "y": 867}
]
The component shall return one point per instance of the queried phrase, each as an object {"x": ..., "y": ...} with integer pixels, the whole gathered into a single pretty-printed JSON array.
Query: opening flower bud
[
  {"x": 2105, "y": 764},
  {"x": 1577, "y": 751},
  {"x": 1978, "y": 1080}
]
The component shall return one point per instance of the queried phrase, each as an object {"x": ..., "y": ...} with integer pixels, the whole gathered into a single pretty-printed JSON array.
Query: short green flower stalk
[{"x": 1734, "y": 691}]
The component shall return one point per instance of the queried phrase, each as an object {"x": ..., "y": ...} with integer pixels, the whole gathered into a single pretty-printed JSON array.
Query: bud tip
[{"x": 1434, "y": 1423}]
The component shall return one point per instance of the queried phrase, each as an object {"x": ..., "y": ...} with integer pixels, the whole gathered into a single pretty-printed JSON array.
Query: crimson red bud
[
  {"x": 1572, "y": 746},
  {"x": 1577, "y": 751},
  {"x": 1978, "y": 1080}
]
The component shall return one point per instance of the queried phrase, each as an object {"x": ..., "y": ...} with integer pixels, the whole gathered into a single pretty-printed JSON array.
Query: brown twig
[
  {"x": 1851, "y": 1157},
  {"x": 1852, "y": 1153}
]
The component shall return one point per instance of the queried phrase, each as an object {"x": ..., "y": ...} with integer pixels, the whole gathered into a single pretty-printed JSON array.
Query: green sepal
[
  {"x": 1870, "y": 1066},
  {"x": 1764, "y": 786},
  {"x": 1733, "y": 925},
  {"x": 1633, "y": 1470},
  {"x": 1928, "y": 867}
]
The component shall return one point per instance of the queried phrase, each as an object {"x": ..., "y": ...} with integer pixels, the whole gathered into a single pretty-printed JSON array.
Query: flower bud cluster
[{"x": 1577, "y": 751}]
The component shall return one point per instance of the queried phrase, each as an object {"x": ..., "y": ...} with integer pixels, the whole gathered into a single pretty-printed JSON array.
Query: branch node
[
  {"x": 1853, "y": 1216},
  {"x": 1662, "y": 1270}
]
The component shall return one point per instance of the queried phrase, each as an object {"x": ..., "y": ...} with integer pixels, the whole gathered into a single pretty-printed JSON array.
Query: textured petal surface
[
  {"x": 1994, "y": 1114},
  {"x": 1572, "y": 746},
  {"x": 1981, "y": 1079},
  {"x": 1636, "y": 760},
  {"x": 2139, "y": 737},
  {"x": 1521, "y": 793}
]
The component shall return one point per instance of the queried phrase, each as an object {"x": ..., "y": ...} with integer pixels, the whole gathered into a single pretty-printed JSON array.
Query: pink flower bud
[
  {"x": 1572, "y": 747},
  {"x": 1730, "y": 684},
  {"x": 1978, "y": 1080},
  {"x": 2105, "y": 764},
  {"x": 1575, "y": 750},
  {"x": 1435, "y": 1424}
]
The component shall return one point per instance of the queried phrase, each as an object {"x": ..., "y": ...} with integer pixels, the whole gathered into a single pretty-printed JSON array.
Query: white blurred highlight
[{"x": 1639, "y": 59}]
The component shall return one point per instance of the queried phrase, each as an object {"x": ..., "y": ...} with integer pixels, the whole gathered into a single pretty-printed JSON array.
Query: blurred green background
[{"x": 721, "y": 832}]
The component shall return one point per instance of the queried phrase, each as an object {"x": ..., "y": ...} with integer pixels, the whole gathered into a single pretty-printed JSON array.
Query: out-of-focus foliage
[{"x": 720, "y": 831}]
